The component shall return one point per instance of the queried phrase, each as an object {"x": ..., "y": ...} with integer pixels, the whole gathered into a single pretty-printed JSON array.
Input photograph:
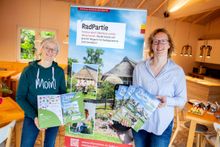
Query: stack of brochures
[{"x": 134, "y": 105}]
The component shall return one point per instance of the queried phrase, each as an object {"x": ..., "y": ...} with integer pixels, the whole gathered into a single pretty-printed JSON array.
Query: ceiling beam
[
  {"x": 161, "y": 4},
  {"x": 203, "y": 16},
  {"x": 140, "y": 4},
  {"x": 101, "y": 2},
  {"x": 120, "y": 3},
  {"x": 196, "y": 7},
  {"x": 182, "y": 18},
  {"x": 97, "y": 2},
  {"x": 77, "y": 2}
]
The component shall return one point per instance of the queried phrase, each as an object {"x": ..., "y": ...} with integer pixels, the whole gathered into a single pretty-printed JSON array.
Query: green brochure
[{"x": 56, "y": 110}]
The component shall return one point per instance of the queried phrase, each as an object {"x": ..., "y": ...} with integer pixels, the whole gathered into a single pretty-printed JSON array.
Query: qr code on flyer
[{"x": 74, "y": 142}]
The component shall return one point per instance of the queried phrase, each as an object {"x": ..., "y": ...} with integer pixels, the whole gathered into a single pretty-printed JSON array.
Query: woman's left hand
[{"x": 163, "y": 101}]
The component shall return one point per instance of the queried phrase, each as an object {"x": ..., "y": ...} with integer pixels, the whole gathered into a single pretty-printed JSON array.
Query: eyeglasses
[
  {"x": 48, "y": 49},
  {"x": 162, "y": 41}
]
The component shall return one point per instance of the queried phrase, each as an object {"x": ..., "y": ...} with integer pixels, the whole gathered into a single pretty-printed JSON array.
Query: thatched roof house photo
[
  {"x": 87, "y": 74},
  {"x": 121, "y": 73}
]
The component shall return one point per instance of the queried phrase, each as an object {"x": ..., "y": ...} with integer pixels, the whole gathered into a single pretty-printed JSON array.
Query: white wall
[
  {"x": 53, "y": 14},
  {"x": 48, "y": 14}
]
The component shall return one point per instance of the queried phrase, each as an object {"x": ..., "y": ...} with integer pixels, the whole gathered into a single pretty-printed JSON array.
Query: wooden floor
[
  {"x": 182, "y": 135},
  {"x": 180, "y": 140},
  {"x": 59, "y": 139}
]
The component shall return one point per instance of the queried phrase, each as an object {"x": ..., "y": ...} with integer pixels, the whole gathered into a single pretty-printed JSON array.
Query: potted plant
[{"x": 4, "y": 89}]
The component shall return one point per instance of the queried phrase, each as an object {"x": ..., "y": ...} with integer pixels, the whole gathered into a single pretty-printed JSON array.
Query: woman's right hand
[
  {"x": 37, "y": 124},
  {"x": 125, "y": 123}
]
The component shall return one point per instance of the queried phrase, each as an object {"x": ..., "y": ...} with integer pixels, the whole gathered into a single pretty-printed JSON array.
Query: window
[
  {"x": 29, "y": 41},
  {"x": 127, "y": 80}
]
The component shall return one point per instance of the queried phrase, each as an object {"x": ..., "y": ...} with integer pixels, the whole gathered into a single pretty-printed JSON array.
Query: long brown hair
[{"x": 150, "y": 41}]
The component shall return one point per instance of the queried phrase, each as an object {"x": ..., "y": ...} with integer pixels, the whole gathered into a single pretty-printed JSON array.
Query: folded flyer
[{"x": 56, "y": 110}]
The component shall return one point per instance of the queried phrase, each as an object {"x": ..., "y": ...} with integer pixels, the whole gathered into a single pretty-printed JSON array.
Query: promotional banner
[{"x": 105, "y": 44}]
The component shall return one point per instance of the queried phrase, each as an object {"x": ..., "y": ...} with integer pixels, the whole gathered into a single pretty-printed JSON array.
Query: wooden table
[
  {"x": 206, "y": 119},
  {"x": 6, "y": 73},
  {"x": 10, "y": 110}
]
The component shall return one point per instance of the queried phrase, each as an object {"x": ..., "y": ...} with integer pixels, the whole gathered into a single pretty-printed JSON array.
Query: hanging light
[
  {"x": 187, "y": 49},
  {"x": 202, "y": 51},
  {"x": 209, "y": 49}
]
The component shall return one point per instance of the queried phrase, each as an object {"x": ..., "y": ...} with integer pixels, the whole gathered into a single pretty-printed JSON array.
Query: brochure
[
  {"x": 137, "y": 109},
  {"x": 56, "y": 110},
  {"x": 129, "y": 91},
  {"x": 119, "y": 96}
]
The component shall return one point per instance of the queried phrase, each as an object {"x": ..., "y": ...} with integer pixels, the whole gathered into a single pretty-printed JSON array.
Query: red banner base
[{"x": 81, "y": 142}]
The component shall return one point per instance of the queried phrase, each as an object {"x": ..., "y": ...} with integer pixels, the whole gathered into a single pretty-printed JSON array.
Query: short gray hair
[{"x": 50, "y": 40}]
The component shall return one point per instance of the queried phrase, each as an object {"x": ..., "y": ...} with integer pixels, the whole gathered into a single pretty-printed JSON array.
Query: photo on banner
[
  {"x": 105, "y": 44},
  {"x": 84, "y": 78}
]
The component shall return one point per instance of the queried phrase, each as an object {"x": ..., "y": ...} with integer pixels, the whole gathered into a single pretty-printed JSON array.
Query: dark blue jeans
[
  {"x": 30, "y": 133},
  {"x": 143, "y": 138}
]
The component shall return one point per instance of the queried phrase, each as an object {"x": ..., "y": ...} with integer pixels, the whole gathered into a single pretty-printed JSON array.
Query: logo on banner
[{"x": 101, "y": 34}]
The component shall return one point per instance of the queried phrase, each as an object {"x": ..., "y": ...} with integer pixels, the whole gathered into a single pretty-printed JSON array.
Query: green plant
[
  {"x": 106, "y": 90},
  {"x": 4, "y": 89}
]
